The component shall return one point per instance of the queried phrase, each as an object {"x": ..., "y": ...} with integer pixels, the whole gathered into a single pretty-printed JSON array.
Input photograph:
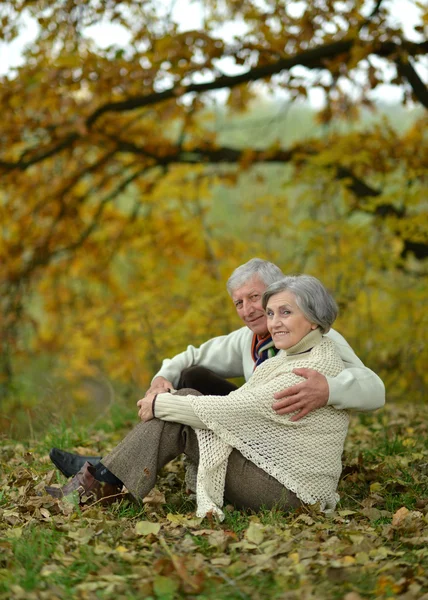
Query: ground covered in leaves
[{"x": 375, "y": 545}]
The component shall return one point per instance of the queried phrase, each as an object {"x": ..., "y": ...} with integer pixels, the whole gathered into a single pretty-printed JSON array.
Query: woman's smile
[{"x": 282, "y": 311}]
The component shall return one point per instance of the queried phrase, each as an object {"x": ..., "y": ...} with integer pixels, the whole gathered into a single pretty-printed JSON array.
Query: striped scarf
[{"x": 262, "y": 349}]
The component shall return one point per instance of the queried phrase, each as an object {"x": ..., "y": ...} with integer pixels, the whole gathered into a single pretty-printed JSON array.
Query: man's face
[{"x": 248, "y": 303}]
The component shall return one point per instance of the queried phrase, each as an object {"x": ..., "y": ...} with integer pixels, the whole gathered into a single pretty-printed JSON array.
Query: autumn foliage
[{"x": 124, "y": 206}]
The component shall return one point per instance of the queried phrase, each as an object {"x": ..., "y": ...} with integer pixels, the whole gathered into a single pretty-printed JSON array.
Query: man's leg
[
  {"x": 137, "y": 460},
  {"x": 205, "y": 381},
  {"x": 69, "y": 463},
  {"x": 197, "y": 378}
]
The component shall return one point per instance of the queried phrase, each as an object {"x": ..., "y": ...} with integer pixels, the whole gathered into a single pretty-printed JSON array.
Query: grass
[{"x": 374, "y": 544}]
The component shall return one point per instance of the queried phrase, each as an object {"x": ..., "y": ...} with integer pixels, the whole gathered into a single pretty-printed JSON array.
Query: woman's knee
[{"x": 249, "y": 487}]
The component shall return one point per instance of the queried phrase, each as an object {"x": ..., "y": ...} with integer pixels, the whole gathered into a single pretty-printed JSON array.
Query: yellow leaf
[
  {"x": 255, "y": 533},
  {"x": 147, "y": 527}
]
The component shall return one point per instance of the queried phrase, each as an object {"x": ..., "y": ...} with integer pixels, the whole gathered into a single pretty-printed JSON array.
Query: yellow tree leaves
[{"x": 124, "y": 206}]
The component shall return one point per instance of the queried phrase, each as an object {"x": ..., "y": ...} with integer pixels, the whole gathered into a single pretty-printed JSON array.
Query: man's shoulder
[
  {"x": 241, "y": 335},
  {"x": 243, "y": 332},
  {"x": 336, "y": 337}
]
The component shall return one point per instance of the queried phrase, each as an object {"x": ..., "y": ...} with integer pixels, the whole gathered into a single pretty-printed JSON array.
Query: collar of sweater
[{"x": 306, "y": 343}]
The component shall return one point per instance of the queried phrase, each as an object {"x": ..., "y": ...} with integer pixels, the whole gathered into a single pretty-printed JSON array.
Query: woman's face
[{"x": 286, "y": 322}]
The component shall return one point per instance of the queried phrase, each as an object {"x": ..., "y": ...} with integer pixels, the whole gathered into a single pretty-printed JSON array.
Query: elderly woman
[{"x": 239, "y": 447}]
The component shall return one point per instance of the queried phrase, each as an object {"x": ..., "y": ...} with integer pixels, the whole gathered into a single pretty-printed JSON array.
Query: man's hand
[
  {"x": 145, "y": 407},
  {"x": 305, "y": 396},
  {"x": 159, "y": 385}
]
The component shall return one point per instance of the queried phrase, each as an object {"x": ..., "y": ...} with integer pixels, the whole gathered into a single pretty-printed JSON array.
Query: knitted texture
[{"x": 305, "y": 456}]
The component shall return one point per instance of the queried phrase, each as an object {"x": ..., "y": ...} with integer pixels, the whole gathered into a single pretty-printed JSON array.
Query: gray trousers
[{"x": 137, "y": 460}]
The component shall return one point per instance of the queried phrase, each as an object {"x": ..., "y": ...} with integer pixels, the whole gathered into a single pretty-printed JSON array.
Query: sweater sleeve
[
  {"x": 178, "y": 409},
  {"x": 247, "y": 400},
  {"x": 223, "y": 355},
  {"x": 357, "y": 387}
]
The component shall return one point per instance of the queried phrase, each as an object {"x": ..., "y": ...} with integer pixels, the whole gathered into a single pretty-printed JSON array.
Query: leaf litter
[{"x": 374, "y": 545}]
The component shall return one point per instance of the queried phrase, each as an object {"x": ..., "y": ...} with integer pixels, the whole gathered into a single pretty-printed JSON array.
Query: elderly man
[{"x": 238, "y": 354}]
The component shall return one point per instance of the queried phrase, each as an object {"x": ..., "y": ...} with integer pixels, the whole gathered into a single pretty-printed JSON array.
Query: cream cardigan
[
  {"x": 305, "y": 456},
  {"x": 357, "y": 387}
]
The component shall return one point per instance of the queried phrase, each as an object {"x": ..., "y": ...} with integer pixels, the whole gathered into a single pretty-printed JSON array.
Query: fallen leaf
[
  {"x": 399, "y": 516},
  {"x": 154, "y": 497},
  {"x": 165, "y": 587},
  {"x": 147, "y": 527},
  {"x": 255, "y": 533},
  {"x": 82, "y": 536},
  {"x": 177, "y": 520}
]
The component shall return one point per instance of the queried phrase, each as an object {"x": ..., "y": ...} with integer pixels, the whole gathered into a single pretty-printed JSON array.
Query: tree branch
[
  {"x": 313, "y": 59},
  {"x": 376, "y": 9},
  {"x": 406, "y": 70},
  {"x": 45, "y": 256},
  {"x": 41, "y": 156}
]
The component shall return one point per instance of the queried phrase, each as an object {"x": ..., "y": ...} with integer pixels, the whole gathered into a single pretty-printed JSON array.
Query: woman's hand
[{"x": 146, "y": 407}]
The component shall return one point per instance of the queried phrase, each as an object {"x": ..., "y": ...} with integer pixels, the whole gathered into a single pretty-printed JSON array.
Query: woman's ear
[{"x": 314, "y": 326}]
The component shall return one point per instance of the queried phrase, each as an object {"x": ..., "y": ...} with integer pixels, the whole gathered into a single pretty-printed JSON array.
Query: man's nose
[{"x": 248, "y": 307}]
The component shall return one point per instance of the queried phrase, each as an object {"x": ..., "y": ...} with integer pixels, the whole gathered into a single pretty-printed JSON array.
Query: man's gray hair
[
  {"x": 316, "y": 303},
  {"x": 256, "y": 267}
]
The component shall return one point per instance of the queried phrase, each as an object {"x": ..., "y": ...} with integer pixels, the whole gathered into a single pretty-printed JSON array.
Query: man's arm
[
  {"x": 223, "y": 355},
  {"x": 357, "y": 387}
]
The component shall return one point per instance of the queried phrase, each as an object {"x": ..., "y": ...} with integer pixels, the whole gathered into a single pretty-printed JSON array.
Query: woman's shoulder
[
  {"x": 326, "y": 346},
  {"x": 326, "y": 352}
]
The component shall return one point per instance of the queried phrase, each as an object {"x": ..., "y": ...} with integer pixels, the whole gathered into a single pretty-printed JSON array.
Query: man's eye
[{"x": 255, "y": 296}]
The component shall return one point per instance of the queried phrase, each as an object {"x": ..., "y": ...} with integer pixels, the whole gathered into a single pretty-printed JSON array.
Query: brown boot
[{"x": 87, "y": 487}]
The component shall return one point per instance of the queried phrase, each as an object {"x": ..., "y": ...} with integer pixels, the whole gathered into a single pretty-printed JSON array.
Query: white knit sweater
[
  {"x": 305, "y": 456},
  {"x": 357, "y": 387}
]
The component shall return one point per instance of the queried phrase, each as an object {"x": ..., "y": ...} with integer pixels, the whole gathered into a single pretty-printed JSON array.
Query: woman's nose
[{"x": 275, "y": 320}]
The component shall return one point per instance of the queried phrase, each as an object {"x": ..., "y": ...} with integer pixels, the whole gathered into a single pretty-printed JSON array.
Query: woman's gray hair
[
  {"x": 256, "y": 267},
  {"x": 316, "y": 303}
]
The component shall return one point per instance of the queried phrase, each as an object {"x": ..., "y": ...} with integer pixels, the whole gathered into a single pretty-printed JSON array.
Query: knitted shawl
[{"x": 305, "y": 455}]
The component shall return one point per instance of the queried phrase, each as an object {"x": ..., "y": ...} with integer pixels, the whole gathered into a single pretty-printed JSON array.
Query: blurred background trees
[{"x": 137, "y": 175}]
